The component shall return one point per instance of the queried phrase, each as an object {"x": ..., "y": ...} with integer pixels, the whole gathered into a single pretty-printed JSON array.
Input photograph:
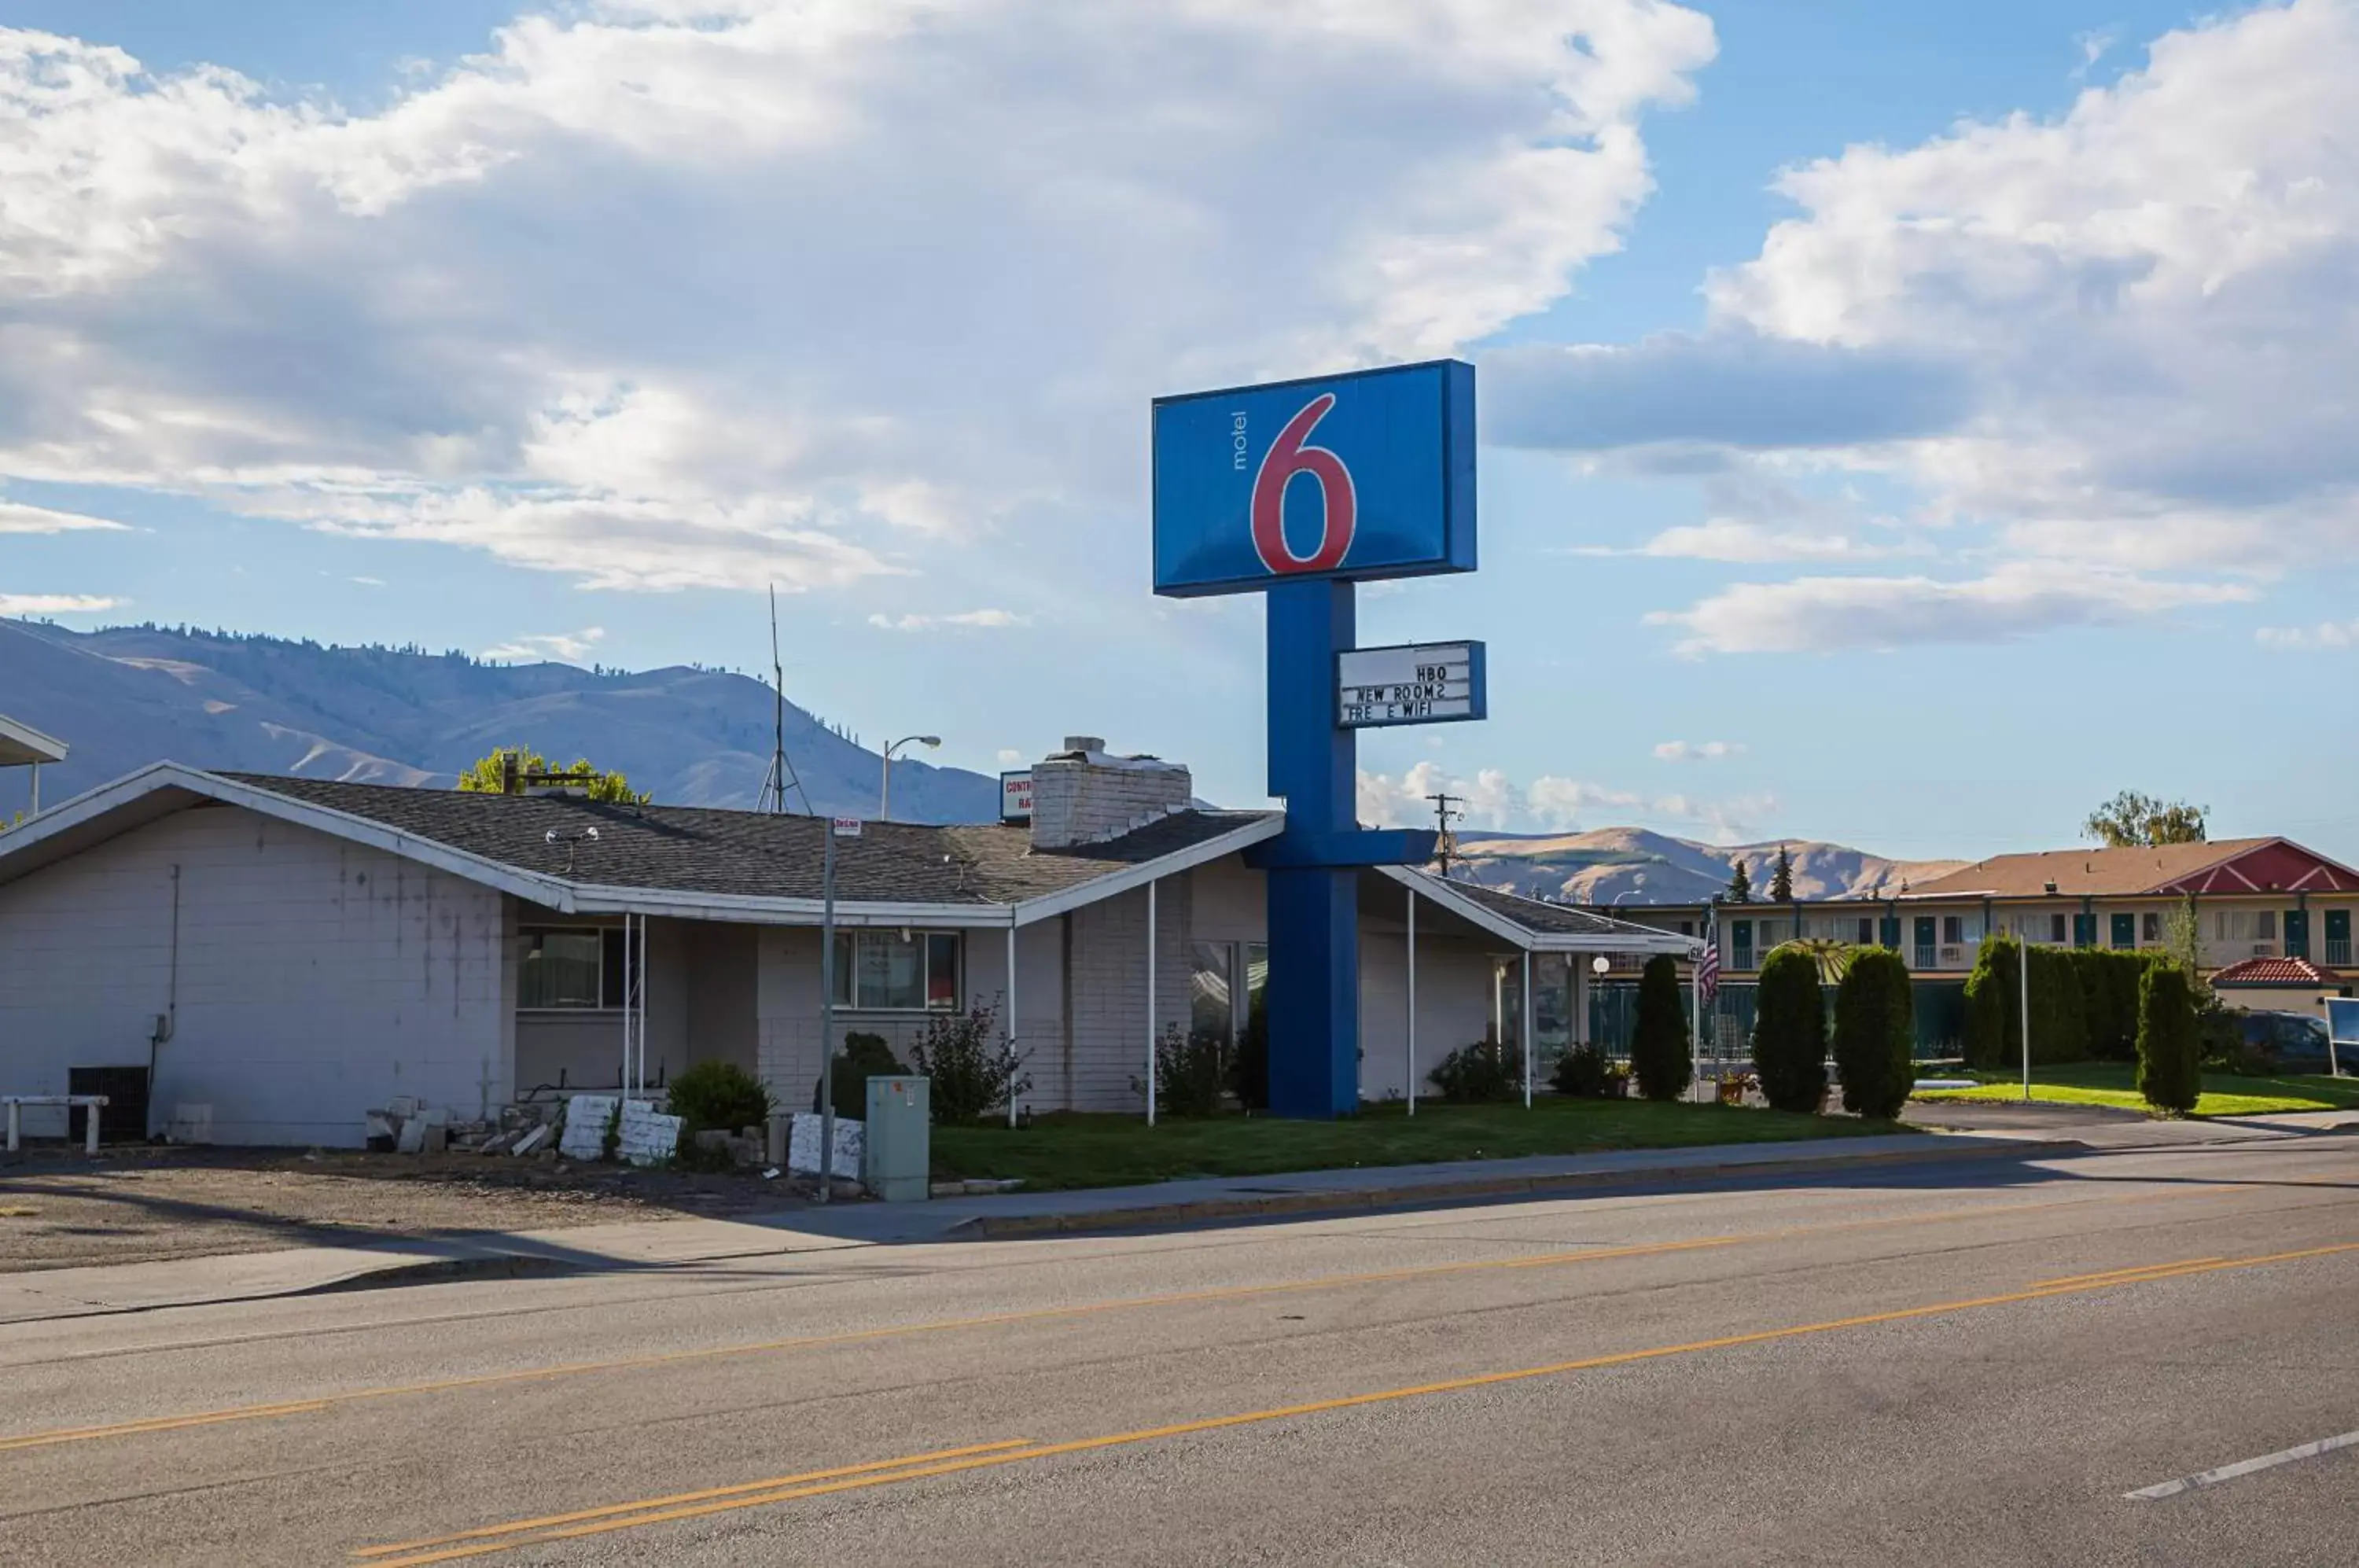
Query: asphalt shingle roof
[
  {"x": 694, "y": 849},
  {"x": 2086, "y": 873},
  {"x": 1538, "y": 915}
]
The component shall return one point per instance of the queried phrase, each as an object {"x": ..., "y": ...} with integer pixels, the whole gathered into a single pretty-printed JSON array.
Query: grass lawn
[
  {"x": 2115, "y": 1083},
  {"x": 1111, "y": 1151}
]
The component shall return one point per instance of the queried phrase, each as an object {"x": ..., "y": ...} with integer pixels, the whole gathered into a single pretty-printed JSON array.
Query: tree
[
  {"x": 488, "y": 776},
  {"x": 1739, "y": 883},
  {"x": 1790, "y": 1032},
  {"x": 1875, "y": 1034},
  {"x": 2169, "y": 1073},
  {"x": 2131, "y": 819},
  {"x": 1660, "y": 1058},
  {"x": 1781, "y": 879}
]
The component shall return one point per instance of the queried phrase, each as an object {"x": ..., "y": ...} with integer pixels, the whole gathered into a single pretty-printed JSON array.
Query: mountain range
[
  {"x": 1637, "y": 866},
  {"x": 125, "y": 696}
]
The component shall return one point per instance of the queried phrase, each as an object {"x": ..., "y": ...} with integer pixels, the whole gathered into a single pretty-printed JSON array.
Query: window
[
  {"x": 1953, "y": 931},
  {"x": 2265, "y": 925},
  {"x": 1687, "y": 928},
  {"x": 1866, "y": 931},
  {"x": 2055, "y": 930},
  {"x": 2150, "y": 927},
  {"x": 1212, "y": 997},
  {"x": 581, "y": 968},
  {"x": 898, "y": 972}
]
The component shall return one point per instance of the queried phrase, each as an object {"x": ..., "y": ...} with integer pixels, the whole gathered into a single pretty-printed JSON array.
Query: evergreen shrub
[
  {"x": 1790, "y": 1032},
  {"x": 2169, "y": 1074},
  {"x": 1875, "y": 1034},
  {"x": 1660, "y": 1058}
]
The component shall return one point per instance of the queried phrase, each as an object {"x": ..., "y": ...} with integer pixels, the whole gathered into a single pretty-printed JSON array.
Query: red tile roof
[{"x": 2275, "y": 971}]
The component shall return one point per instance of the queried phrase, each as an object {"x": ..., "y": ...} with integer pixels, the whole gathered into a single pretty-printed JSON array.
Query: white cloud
[
  {"x": 1730, "y": 540},
  {"x": 1698, "y": 751},
  {"x": 964, "y": 620},
  {"x": 1820, "y": 613},
  {"x": 1490, "y": 800},
  {"x": 2325, "y": 635},
  {"x": 2149, "y": 295},
  {"x": 55, "y": 603},
  {"x": 18, "y": 518},
  {"x": 1010, "y": 757},
  {"x": 670, "y": 293},
  {"x": 561, "y": 648}
]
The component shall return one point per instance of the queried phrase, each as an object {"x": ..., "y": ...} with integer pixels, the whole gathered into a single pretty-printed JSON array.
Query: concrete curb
[{"x": 1411, "y": 1193}]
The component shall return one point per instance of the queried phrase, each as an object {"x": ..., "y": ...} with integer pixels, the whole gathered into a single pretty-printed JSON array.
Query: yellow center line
[
  {"x": 2123, "y": 1275},
  {"x": 1041, "y": 1314},
  {"x": 769, "y": 1484},
  {"x": 655, "y": 1510}
]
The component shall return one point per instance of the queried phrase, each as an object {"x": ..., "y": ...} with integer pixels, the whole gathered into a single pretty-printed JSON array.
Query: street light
[{"x": 885, "y": 793}]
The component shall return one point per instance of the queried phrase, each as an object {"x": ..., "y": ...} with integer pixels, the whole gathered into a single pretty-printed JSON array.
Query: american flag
[{"x": 1708, "y": 966}]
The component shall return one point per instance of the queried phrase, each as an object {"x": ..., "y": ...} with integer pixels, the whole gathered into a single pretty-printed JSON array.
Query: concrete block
[
  {"x": 530, "y": 1141},
  {"x": 411, "y": 1139},
  {"x": 432, "y": 1136}
]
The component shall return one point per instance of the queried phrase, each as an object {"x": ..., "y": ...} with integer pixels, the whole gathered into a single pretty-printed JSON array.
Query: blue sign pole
[
  {"x": 1297, "y": 490},
  {"x": 1314, "y": 910}
]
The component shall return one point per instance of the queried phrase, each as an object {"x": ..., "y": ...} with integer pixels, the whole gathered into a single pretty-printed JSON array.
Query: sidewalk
[{"x": 2024, "y": 1133}]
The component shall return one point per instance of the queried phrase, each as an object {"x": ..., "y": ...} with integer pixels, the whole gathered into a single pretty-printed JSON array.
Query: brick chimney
[{"x": 1081, "y": 795}]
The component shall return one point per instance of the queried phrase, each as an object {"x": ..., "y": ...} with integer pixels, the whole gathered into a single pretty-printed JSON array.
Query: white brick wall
[
  {"x": 316, "y": 979},
  {"x": 1108, "y": 990},
  {"x": 1078, "y": 801}
]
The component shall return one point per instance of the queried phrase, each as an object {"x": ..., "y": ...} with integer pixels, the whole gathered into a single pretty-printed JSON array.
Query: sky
[{"x": 1904, "y": 425}]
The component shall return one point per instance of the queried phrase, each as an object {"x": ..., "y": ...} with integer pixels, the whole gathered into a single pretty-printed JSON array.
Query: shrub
[
  {"x": 1584, "y": 1072},
  {"x": 975, "y": 1071},
  {"x": 1249, "y": 1064},
  {"x": 864, "y": 1056},
  {"x": 2109, "y": 984},
  {"x": 1875, "y": 1034},
  {"x": 1790, "y": 1032},
  {"x": 1474, "y": 1075},
  {"x": 1660, "y": 1059},
  {"x": 719, "y": 1095},
  {"x": 1995, "y": 1006},
  {"x": 2168, "y": 1073},
  {"x": 1190, "y": 1074}
]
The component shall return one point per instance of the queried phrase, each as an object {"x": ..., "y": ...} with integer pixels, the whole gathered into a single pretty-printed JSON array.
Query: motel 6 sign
[
  {"x": 1358, "y": 476},
  {"x": 1298, "y": 490}
]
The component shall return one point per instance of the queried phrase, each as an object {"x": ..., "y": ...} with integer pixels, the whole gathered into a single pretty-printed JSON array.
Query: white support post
[
  {"x": 2025, "y": 959},
  {"x": 37, "y": 789},
  {"x": 1527, "y": 1028},
  {"x": 1695, "y": 1030},
  {"x": 1411, "y": 1065},
  {"x": 623, "y": 1078},
  {"x": 15, "y": 1127},
  {"x": 1150, "y": 1002},
  {"x": 1010, "y": 1030}
]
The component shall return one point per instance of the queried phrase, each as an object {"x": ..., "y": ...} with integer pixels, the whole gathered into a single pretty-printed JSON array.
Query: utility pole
[{"x": 1445, "y": 810}]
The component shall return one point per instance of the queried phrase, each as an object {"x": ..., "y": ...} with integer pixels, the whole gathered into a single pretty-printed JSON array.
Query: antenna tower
[{"x": 782, "y": 776}]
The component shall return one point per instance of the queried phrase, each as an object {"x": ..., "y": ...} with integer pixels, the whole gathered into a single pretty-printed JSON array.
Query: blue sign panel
[{"x": 1364, "y": 475}]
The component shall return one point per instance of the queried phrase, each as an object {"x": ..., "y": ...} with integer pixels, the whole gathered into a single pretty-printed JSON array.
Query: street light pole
[{"x": 884, "y": 789}]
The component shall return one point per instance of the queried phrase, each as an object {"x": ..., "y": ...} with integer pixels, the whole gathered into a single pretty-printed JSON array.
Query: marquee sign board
[
  {"x": 1351, "y": 478},
  {"x": 1016, "y": 796},
  {"x": 1416, "y": 683}
]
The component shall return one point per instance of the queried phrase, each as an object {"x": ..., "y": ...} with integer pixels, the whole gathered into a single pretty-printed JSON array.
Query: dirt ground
[{"x": 139, "y": 1205}]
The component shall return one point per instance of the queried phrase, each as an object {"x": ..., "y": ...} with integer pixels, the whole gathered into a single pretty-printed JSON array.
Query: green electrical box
[{"x": 897, "y": 1161}]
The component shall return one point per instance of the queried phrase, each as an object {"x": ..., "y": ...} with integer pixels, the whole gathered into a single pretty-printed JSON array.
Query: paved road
[{"x": 1967, "y": 1364}]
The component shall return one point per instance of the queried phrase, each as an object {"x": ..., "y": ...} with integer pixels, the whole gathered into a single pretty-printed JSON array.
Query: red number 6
[{"x": 1340, "y": 505}]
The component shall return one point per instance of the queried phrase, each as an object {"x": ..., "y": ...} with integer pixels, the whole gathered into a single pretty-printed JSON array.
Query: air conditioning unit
[
  {"x": 2264, "y": 950},
  {"x": 1953, "y": 956}
]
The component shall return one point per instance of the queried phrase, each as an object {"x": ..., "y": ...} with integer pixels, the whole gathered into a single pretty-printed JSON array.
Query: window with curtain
[
  {"x": 570, "y": 968},
  {"x": 898, "y": 972}
]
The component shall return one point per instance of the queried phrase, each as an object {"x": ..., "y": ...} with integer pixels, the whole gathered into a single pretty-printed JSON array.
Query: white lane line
[{"x": 2242, "y": 1467}]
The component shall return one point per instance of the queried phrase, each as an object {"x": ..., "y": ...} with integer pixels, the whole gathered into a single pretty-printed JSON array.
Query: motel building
[
  {"x": 246, "y": 959},
  {"x": 2275, "y": 923}
]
